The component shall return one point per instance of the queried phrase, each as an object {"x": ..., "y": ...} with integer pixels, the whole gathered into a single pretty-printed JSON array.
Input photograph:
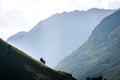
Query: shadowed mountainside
[
  {"x": 100, "y": 55},
  {"x": 16, "y": 65}
]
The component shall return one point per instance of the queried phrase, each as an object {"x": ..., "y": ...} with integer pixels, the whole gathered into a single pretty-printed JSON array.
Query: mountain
[
  {"x": 59, "y": 35},
  {"x": 16, "y": 65},
  {"x": 99, "y": 55}
]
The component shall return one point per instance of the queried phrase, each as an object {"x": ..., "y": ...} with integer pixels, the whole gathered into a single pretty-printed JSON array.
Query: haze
[{"x": 22, "y": 15}]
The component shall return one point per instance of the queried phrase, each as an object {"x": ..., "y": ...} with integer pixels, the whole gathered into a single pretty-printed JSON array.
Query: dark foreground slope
[
  {"x": 16, "y": 65},
  {"x": 100, "y": 55}
]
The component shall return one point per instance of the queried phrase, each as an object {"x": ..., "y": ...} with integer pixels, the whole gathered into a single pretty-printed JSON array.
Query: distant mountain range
[
  {"x": 59, "y": 35},
  {"x": 16, "y": 65},
  {"x": 99, "y": 55}
]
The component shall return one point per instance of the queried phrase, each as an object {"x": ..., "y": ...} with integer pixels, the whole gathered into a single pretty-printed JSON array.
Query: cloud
[
  {"x": 14, "y": 19},
  {"x": 32, "y": 10},
  {"x": 40, "y": 9},
  {"x": 114, "y": 4},
  {"x": 87, "y": 4},
  {"x": 24, "y": 14},
  {"x": 83, "y": 4},
  {"x": 3, "y": 24}
]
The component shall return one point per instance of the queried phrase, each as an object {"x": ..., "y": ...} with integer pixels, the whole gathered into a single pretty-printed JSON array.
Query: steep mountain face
[
  {"x": 16, "y": 65},
  {"x": 100, "y": 55},
  {"x": 59, "y": 35}
]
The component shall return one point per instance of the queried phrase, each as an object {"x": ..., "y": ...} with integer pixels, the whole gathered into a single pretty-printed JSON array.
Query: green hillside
[
  {"x": 100, "y": 55},
  {"x": 16, "y": 65}
]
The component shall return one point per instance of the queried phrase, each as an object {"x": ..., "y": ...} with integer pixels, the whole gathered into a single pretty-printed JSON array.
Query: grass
[{"x": 16, "y": 65}]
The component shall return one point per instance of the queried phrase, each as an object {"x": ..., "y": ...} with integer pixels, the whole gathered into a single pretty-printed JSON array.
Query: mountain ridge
[
  {"x": 59, "y": 35},
  {"x": 100, "y": 54}
]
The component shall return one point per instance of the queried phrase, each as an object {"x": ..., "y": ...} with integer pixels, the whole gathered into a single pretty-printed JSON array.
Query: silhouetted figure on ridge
[{"x": 42, "y": 61}]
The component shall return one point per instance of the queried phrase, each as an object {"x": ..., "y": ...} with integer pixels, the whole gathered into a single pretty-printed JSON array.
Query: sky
[{"x": 22, "y": 15}]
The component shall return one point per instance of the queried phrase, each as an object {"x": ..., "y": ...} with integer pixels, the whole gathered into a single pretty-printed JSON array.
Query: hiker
[{"x": 42, "y": 61}]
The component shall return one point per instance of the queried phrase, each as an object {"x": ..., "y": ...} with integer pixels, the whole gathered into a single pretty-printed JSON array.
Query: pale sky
[{"x": 22, "y": 15}]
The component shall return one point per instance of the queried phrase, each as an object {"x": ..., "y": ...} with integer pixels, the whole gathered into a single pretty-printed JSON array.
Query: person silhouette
[{"x": 42, "y": 61}]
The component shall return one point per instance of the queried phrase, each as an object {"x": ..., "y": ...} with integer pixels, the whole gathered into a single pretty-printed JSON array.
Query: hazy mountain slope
[
  {"x": 100, "y": 55},
  {"x": 59, "y": 35},
  {"x": 16, "y": 65}
]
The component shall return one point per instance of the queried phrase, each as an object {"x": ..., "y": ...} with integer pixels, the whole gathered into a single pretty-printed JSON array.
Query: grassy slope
[
  {"x": 16, "y": 65},
  {"x": 100, "y": 55},
  {"x": 107, "y": 59}
]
